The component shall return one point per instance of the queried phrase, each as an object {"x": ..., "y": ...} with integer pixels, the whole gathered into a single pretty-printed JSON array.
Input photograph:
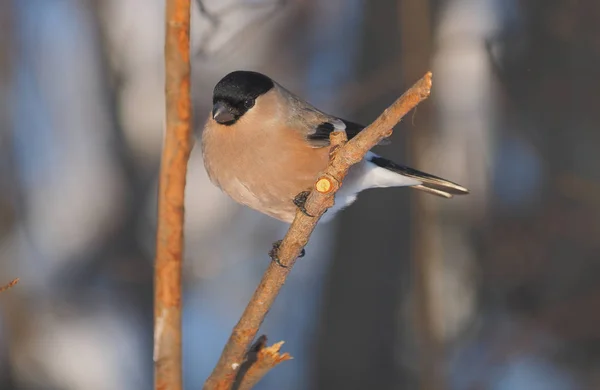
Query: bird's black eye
[{"x": 249, "y": 103}]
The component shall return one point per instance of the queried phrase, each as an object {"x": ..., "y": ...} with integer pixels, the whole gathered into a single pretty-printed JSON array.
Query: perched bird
[{"x": 265, "y": 147}]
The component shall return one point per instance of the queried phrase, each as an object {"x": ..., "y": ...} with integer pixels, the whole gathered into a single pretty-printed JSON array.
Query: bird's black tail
[{"x": 429, "y": 183}]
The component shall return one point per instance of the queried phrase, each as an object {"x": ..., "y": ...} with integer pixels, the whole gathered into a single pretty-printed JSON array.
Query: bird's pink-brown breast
[{"x": 262, "y": 161}]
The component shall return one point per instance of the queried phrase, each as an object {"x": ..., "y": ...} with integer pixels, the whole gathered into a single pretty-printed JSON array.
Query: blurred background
[{"x": 497, "y": 290}]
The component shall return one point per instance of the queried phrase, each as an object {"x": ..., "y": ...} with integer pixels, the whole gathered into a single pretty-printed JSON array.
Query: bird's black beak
[{"x": 221, "y": 113}]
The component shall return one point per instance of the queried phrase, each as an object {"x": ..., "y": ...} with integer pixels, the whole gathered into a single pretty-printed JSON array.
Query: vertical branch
[
  {"x": 414, "y": 19},
  {"x": 169, "y": 240}
]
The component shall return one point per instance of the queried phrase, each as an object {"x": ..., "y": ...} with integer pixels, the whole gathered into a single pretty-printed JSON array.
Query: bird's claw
[
  {"x": 274, "y": 254},
  {"x": 300, "y": 202}
]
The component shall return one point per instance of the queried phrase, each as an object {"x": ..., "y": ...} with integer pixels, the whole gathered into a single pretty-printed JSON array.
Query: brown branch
[
  {"x": 169, "y": 237},
  {"x": 343, "y": 156},
  {"x": 9, "y": 285},
  {"x": 259, "y": 361}
]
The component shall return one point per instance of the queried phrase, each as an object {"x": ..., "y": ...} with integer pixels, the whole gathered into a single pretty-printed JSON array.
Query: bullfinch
[{"x": 265, "y": 147}]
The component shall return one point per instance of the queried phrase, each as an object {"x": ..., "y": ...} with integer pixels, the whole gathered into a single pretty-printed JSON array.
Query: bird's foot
[
  {"x": 274, "y": 254},
  {"x": 300, "y": 202}
]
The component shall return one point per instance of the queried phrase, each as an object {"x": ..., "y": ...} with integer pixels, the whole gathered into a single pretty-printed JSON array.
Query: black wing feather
[
  {"x": 324, "y": 129},
  {"x": 352, "y": 129},
  {"x": 322, "y": 132}
]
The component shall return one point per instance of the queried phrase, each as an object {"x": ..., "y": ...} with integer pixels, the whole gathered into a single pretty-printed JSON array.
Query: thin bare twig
[
  {"x": 259, "y": 361},
  {"x": 343, "y": 155},
  {"x": 11, "y": 284},
  {"x": 169, "y": 240}
]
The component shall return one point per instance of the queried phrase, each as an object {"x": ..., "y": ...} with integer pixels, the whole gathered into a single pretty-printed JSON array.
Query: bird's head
[{"x": 236, "y": 93}]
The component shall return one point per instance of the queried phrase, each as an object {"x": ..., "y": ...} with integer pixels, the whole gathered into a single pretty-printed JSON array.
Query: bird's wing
[
  {"x": 320, "y": 136},
  {"x": 324, "y": 129},
  {"x": 317, "y": 125}
]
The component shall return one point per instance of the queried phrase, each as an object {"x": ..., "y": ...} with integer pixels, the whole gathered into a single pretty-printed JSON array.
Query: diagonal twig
[
  {"x": 343, "y": 155},
  {"x": 11, "y": 284}
]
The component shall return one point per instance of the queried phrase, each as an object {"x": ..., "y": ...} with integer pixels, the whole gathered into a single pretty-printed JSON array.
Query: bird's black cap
[
  {"x": 242, "y": 85},
  {"x": 236, "y": 93}
]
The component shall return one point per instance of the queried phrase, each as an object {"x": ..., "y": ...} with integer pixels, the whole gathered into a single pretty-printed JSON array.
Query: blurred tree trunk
[
  {"x": 548, "y": 64},
  {"x": 7, "y": 48},
  {"x": 414, "y": 18},
  {"x": 6, "y": 207},
  {"x": 358, "y": 337}
]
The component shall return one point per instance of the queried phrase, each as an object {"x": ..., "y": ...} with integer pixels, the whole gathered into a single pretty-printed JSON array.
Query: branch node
[
  {"x": 324, "y": 185},
  {"x": 260, "y": 359},
  {"x": 338, "y": 138}
]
